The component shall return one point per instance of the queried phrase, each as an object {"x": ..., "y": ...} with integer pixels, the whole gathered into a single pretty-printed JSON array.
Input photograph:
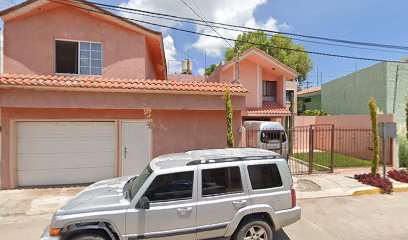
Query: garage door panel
[
  {"x": 84, "y": 144},
  {"x": 76, "y": 176},
  {"x": 60, "y": 160},
  {"x": 65, "y": 152}
]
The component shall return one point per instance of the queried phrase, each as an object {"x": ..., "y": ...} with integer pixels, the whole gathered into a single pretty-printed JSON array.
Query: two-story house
[
  {"x": 84, "y": 97},
  {"x": 270, "y": 84}
]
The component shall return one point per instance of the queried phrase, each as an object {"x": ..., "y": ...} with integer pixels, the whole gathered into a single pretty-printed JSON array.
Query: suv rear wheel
[
  {"x": 253, "y": 229},
  {"x": 89, "y": 236}
]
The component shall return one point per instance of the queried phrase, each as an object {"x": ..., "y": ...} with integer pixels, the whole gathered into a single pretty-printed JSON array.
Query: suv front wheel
[{"x": 253, "y": 229}]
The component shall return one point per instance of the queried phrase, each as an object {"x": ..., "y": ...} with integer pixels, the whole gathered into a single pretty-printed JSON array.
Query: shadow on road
[{"x": 281, "y": 235}]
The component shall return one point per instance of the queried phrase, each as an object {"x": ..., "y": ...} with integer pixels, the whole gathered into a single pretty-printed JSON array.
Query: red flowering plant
[
  {"x": 398, "y": 175},
  {"x": 375, "y": 181}
]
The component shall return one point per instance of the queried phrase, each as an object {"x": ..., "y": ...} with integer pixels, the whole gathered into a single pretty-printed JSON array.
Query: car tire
[
  {"x": 254, "y": 228},
  {"x": 88, "y": 236}
]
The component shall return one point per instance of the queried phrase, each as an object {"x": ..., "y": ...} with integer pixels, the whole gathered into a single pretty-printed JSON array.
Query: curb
[{"x": 377, "y": 191}]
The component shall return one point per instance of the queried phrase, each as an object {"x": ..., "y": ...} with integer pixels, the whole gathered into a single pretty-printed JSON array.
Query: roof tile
[
  {"x": 268, "y": 108},
  {"x": 310, "y": 90}
]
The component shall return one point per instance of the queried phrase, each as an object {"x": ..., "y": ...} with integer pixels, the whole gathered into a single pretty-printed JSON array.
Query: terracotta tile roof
[
  {"x": 268, "y": 108},
  {"x": 185, "y": 78},
  {"x": 98, "y": 83},
  {"x": 310, "y": 90}
]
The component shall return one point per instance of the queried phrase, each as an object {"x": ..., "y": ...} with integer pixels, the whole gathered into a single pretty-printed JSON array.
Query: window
[
  {"x": 270, "y": 136},
  {"x": 83, "y": 58},
  {"x": 308, "y": 100},
  {"x": 221, "y": 181},
  {"x": 264, "y": 176},
  {"x": 170, "y": 187},
  {"x": 268, "y": 91},
  {"x": 289, "y": 95}
]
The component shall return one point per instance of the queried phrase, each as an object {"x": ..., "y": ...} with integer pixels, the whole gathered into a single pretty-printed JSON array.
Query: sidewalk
[{"x": 340, "y": 183}]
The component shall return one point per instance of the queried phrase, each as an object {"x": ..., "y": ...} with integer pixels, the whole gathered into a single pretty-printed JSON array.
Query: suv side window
[
  {"x": 221, "y": 181},
  {"x": 264, "y": 176},
  {"x": 169, "y": 187}
]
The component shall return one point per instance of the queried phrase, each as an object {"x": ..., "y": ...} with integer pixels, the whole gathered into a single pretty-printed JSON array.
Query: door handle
[
  {"x": 239, "y": 203},
  {"x": 184, "y": 210}
]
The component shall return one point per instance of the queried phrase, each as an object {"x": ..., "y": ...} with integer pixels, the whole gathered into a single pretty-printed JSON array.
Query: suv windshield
[
  {"x": 270, "y": 136},
  {"x": 139, "y": 181}
]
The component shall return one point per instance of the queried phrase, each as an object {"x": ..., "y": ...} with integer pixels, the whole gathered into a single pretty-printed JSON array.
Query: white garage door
[{"x": 50, "y": 153}]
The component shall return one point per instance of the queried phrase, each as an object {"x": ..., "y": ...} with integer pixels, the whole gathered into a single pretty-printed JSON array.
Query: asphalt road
[{"x": 364, "y": 217}]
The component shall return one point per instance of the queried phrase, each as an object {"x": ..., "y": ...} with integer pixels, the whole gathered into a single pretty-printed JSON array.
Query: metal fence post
[
  {"x": 332, "y": 150},
  {"x": 311, "y": 147}
]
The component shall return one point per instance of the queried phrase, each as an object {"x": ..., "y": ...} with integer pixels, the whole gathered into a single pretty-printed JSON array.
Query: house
[
  {"x": 386, "y": 82},
  {"x": 85, "y": 96},
  {"x": 270, "y": 84},
  {"x": 310, "y": 99},
  {"x": 76, "y": 100}
]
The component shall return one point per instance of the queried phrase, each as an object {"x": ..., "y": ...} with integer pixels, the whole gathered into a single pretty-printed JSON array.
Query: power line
[
  {"x": 235, "y": 40},
  {"x": 192, "y": 9},
  {"x": 264, "y": 30}
]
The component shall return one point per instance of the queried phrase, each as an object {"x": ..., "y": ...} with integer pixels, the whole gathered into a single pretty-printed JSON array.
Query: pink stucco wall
[
  {"x": 29, "y": 42},
  {"x": 187, "y": 129}
]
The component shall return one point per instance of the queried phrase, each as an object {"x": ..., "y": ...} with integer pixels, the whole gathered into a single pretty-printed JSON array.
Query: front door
[{"x": 136, "y": 147}]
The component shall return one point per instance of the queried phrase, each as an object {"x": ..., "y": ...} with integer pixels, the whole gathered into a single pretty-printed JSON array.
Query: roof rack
[{"x": 234, "y": 159}]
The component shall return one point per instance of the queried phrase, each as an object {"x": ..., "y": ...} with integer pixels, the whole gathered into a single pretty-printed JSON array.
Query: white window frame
[{"x": 79, "y": 57}]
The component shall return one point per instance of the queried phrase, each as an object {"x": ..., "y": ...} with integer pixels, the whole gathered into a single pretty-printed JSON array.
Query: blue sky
[{"x": 364, "y": 20}]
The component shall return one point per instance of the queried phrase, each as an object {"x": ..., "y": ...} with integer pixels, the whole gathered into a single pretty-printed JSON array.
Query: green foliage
[
  {"x": 376, "y": 139},
  {"x": 316, "y": 112},
  {"x": 291, "y": 122},
  {"x": 406, "y": 118},
  {"x": 298, "y": 61},
  {"x": 210, "y": 69},
  {"x": 300, "y": 106},
  {"x": 403, "y": 152},
  {"x": 228, "y": 110}
]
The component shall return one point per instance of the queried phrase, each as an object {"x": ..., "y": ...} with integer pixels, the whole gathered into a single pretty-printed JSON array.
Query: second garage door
[{"x": 50, "y": 153}]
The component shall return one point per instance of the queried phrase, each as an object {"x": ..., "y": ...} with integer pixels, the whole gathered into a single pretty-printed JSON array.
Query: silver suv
[{"x": 239, "y": 193}]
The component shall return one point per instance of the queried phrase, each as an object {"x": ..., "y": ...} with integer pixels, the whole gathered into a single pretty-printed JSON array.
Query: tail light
[{"x": 293, "y": 193}]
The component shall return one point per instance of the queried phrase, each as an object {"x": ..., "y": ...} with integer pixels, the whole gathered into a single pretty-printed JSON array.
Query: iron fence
[{"x": 317, "y": 148}]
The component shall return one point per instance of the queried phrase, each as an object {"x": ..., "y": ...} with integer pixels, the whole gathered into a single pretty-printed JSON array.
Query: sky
[{"x": 376, "y": 21}]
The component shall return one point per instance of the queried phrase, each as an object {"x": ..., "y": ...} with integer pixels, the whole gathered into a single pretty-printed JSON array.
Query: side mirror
[{"x": 143, "y": 203}]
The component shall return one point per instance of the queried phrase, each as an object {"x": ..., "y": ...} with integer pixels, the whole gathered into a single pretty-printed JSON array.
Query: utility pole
[
  {"x": 317, "y": 75},
  {"x": 205, "y": 64},
  {"x": 308, "y": 84},
  {"x": 321, "y": 78},
  {"x": 395, "y": 89}
]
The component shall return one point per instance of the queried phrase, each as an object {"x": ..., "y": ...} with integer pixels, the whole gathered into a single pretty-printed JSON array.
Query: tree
[
  {"x": 210, "y": 69},
  {"x": 297, "y": 60},
  {"x": 376, "y": 139},
  {"x": 228, "y": 111}
]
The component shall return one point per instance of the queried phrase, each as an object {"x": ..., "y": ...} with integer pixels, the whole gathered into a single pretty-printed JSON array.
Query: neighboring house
[
  {"x": 270, "y": 84},
  {"x": 349, "y": 95},
  {"x": 310, "y": 99},
  {"x": 75, "y": 101}
]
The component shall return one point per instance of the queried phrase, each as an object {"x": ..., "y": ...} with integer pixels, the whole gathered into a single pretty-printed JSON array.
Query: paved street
[{"x": 24, "y": 214}]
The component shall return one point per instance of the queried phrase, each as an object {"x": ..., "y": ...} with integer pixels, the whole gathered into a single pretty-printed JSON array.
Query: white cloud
[
  {"x": 238, "y": 12},
  {"x": 173, "y": 65},
  {"x": 201, "y": 71}
]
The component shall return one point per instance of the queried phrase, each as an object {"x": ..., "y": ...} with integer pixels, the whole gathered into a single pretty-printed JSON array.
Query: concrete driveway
[{"x": 24, "y": 214}]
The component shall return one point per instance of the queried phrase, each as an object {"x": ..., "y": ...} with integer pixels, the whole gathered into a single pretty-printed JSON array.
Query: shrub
[
  {"x": 228, "y": 111},
  {"x": 315, "y": 113},
  {"x": 376, "y": 139},
  {"x": 403, "y": 152},
  {"x": 400, "y": 176},
  {"x": 375, "y": 181}
]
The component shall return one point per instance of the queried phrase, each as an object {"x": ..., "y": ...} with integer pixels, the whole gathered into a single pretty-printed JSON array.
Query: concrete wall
[
  {"x": 314, "y": 104},
  {"x": 29, "y": 42}
]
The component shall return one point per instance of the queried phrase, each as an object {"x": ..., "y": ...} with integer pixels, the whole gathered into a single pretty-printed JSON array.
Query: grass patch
[{"x": 340, "y": 160}]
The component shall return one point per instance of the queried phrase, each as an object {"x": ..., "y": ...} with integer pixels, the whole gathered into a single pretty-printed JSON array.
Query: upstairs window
[
  {"x": 83, "y": 58},
  {"x": 289, "y": 95},
  {"x": 269, "y": 91}
]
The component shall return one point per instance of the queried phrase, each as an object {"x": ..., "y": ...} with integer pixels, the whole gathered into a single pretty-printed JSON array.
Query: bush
[
  {"x": 400, "y": 176},
  {"x": 315, "y": 113},
  {"x": 375, "y": 181},
  {"x": 403, "y": 152}
]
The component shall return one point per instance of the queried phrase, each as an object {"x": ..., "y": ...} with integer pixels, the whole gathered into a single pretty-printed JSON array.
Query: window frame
[
  {"x": 221, "y": 195},
  {"x": 79, "y": 57},
  {"x": 265, "y": 162},
  {"x": 265, "y": 84},
  {"x": 286, "y": 93}
]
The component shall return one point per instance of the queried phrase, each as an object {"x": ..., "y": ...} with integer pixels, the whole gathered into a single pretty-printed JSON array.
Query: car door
[
  {"x": 172, "y": 212},
  {"x": 222, "y": 191}
]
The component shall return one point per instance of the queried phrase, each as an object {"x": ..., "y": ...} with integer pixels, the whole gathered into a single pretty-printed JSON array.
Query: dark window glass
[
  {"x": 289, "y": 95},
  {"x": 66, "y": 57},
  {"x": 264, "y": 176},
  {"x": 271, "y": 136},
  {"x": 269, "y": 91},
  {"x": 308, "y": 100},
  {"x": 168, "y": 187},
  {"x": 221, "y": 181}
]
